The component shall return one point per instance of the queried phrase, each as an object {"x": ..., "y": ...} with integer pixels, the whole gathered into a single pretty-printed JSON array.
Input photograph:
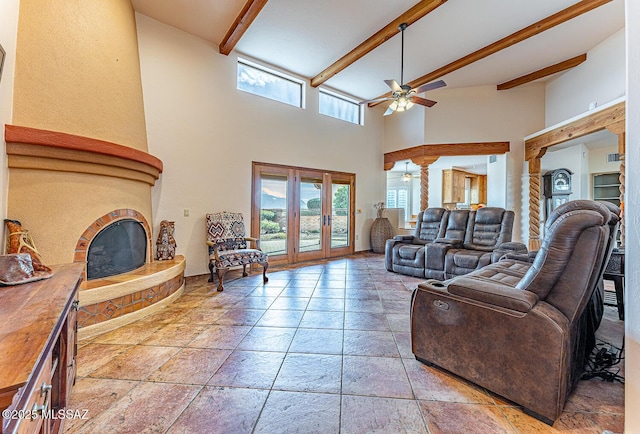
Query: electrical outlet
[
  {"x": 357, "y": 237},
  {"x": 186, "y": 212}
]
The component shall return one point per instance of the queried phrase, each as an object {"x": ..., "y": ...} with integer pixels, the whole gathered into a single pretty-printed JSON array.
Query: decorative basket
[{"x": 381, "y": 231}]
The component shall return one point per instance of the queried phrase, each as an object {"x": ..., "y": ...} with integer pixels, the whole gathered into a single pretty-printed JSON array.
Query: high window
[
  {"x": 262, "y": 81},
  {"x": 340, "y": 107}
]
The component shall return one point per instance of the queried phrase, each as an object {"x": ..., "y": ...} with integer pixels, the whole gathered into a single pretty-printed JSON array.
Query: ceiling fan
[{"x": 403, "y": 96}]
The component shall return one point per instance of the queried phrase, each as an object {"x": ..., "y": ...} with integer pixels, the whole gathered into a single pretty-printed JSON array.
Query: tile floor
[{"x": 324, "y": 347}]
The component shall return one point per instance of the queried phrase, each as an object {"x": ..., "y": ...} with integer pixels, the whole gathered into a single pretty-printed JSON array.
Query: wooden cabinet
[
  {"x": 453, "y": 186},
  {"x": 478, "y": 189},
  {"x": 38, "y": 347}
]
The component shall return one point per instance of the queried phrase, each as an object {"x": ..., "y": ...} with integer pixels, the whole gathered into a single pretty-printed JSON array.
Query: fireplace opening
[{"x": 118, "y": 248}]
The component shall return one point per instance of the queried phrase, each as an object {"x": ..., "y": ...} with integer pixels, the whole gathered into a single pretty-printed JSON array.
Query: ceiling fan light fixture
[{"x": 406, "y": 177}]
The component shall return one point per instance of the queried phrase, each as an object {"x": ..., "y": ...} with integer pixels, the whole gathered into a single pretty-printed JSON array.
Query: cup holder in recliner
[{"x": 436, "y": 283}]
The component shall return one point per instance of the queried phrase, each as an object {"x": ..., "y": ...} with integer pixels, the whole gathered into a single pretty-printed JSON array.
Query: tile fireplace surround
[
  {"x": 75, "y": 179},
  {"x": 113, "y": 301}
]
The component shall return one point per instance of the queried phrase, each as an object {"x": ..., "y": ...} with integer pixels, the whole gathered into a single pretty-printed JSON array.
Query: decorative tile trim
[{"x": 120, "y": 306}]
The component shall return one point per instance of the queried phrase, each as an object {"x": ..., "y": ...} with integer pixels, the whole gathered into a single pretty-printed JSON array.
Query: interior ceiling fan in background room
[{"x": 402, "y": 95}]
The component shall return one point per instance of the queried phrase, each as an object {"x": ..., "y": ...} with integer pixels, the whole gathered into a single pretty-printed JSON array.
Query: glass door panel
[
  {"x": 311, "y": 217},
  {"x": 274, "y": 214},
  {"x": 302, "y": 214},
  {"x": 340, "y": 212}
]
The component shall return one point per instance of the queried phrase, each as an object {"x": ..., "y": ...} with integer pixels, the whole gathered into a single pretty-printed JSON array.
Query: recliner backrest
[
  {"x": 456, "y": 226},
  {"x": 488, "y": 228},
  {"x": 569, "y": 262},
  {"x": 429, "y": 225}
]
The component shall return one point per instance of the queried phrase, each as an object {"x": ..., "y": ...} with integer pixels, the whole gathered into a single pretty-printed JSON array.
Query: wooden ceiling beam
[
  {"x": 547, "y": 23},
  {"x": 544, "y": 72},
  {"x": 244, "y": 19},
  {"x": 412, "y": 15}
]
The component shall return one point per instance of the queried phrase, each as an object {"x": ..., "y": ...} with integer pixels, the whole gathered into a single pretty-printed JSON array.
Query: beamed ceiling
[{"x": 353, "y": 45}]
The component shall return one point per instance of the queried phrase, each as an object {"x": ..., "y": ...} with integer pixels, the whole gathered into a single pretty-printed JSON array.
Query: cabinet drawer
[{"x": 29, "y": 419}]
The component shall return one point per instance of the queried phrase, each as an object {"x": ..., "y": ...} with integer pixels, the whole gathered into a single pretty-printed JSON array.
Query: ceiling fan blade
[
  {"x": 422, "y": 101},
  {"x": 388, "y": 112},
  {"x": 393, "y": 85},
  {"x": 371, "y": 101},
  {"x": 430, "y": 86}
]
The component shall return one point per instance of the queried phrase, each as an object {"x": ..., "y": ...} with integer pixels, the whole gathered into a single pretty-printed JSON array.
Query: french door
[{"x": 302, "y": 214}]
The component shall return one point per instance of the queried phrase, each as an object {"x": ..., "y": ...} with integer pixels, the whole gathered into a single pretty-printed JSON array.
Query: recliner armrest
[
  {"x": 509, "y": 250},
  {"x": 404, "y": 238},
  {"x": 453, "y": 241},
  {"x": 493, "y": 293},
  {"x": 516, "y": 257}
]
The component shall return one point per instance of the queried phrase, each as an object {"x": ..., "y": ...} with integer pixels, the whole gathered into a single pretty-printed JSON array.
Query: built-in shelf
[{"x": 606, "y": 186}]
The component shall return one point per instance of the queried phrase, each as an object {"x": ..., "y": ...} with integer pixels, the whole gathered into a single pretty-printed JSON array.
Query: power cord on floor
[{"x": 602, "y": 362}]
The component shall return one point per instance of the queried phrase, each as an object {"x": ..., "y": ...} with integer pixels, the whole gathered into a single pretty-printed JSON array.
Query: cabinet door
[
  {"x": 447, "y": 186},
  {"x": 72, "y": 348},
  {"x": 458, "y": 186}
]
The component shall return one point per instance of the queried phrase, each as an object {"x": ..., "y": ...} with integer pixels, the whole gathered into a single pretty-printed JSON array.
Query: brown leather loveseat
[{"x": 522, "y": 329}]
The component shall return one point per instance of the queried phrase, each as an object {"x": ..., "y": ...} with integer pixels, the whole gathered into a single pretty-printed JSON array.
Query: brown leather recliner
[
  {"x": 519, "y": 328},
  {"x": 405, "y": 253}
]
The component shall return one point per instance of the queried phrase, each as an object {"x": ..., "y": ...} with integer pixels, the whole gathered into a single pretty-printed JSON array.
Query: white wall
[
  {"x": 478, "y": 114},
  {"x": 632, "y": 211},
  {"x": 207, "y": 133},
  {"x": 403, "y": 130},
  {"x": 599, "y": 79},
  {"x": 8, "y": 36},
  {"x": 598, "y": 160},
  {"x": 497, "y": 191}
]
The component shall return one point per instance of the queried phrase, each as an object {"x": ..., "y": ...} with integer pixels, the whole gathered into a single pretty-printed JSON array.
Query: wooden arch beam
[
  {"x": 412, "y": 15},
  {"x": 538, "y": 27},
  {"x": 427, "y": 154},
  {"x": 241, "y": 24},
  {"x": 612, "y": 116}
]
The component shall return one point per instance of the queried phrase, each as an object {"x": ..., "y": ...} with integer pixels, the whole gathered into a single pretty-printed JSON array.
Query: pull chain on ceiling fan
[{"x": 403, "y": 96}]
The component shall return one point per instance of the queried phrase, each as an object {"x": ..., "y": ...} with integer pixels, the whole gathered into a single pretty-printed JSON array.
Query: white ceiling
[{"x": 306, "y": 36}]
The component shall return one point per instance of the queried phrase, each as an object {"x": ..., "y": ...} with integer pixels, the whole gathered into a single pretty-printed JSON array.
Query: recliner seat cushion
[{"x": 409, "y": 251}]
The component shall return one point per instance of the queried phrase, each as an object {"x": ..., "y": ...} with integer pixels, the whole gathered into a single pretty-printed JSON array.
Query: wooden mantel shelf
[{"x": 32, "y": 148}]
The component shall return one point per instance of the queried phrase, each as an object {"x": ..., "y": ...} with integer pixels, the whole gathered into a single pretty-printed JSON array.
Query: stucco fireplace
[{"x": 75, "y": 192}]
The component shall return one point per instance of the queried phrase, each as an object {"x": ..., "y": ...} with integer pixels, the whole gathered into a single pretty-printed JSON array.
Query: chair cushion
[{"x": 233, "y": 258}]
